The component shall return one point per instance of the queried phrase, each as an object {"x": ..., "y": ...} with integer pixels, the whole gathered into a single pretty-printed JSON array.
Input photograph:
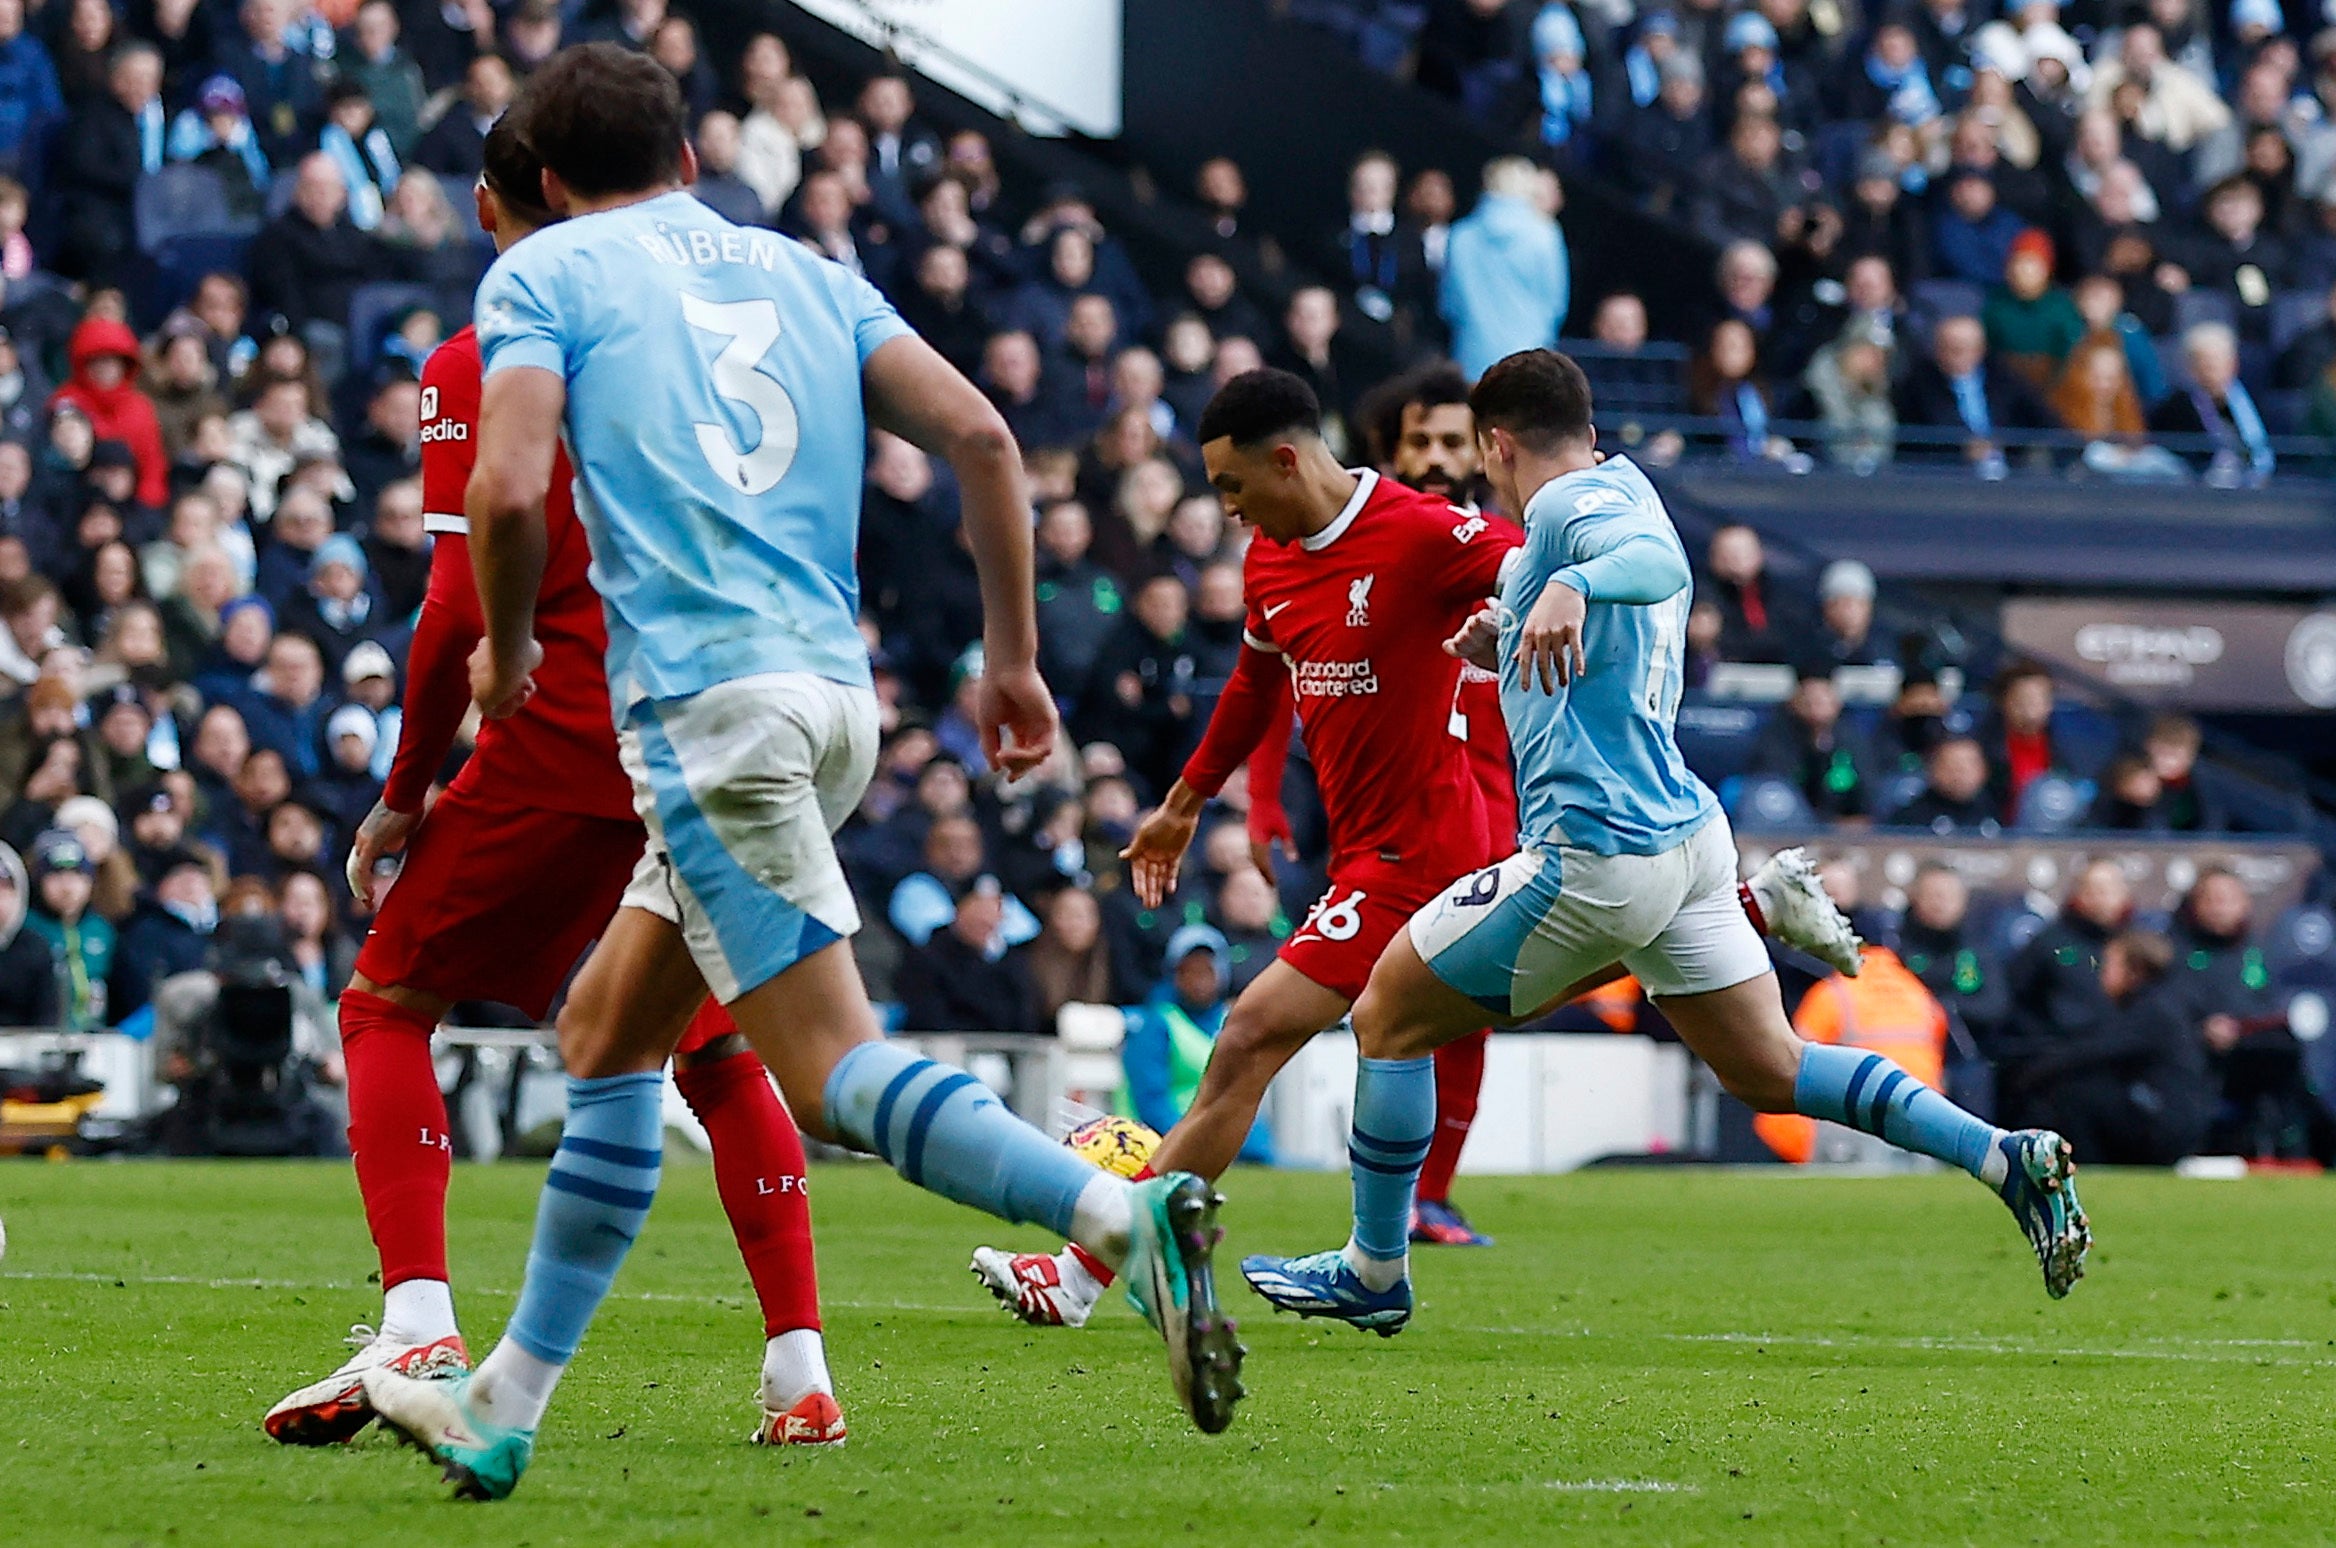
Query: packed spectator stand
[{"x": 2070, "y": 248}]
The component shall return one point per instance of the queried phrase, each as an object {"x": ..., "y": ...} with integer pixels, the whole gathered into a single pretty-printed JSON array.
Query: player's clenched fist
[
  {"x": 499, "y": 686},
  {"x": 383, "y": 832},
  {"x": 1479, "y": 641},
  {"x": 1549, "y": 647}
]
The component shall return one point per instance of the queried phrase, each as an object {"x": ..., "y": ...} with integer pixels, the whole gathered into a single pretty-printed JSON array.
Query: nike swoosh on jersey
[{"x": 1276, "y": 608}]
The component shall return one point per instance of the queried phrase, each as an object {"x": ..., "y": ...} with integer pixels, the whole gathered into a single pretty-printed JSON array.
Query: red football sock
[
  {"x": 1459, "y": 1077},
  {"x": 759, "y": 1170},
  {"x": 397, "y": 1134}
]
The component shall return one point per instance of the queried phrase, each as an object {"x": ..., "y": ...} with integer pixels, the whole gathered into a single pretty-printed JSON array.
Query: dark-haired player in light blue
[
  {"x": 715, "y": 386},
  {"x": 1624, "y": 857}
]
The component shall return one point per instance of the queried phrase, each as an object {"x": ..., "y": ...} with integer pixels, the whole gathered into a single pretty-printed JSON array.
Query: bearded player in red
[
  {"x": 511, "y": 876},
  {"x": 1425, "y": 437},
  {"x": 1351, "y": 579}
]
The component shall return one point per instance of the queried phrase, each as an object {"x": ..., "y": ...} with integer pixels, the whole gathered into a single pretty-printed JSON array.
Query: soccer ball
[{"x": 1121, "y": 1146}]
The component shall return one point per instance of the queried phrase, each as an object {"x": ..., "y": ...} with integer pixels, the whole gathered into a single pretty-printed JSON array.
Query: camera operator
[{"x": 251, "y": 1050}]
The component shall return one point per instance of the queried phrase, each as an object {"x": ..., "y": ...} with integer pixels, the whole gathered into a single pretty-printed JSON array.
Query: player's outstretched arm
[
  {"x": 519, "y": 430},
  {"x": 922, "y": 398}
]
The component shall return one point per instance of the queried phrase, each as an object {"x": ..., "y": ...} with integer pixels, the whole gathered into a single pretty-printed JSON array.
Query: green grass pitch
[{"x": 1663, "y": 1357}]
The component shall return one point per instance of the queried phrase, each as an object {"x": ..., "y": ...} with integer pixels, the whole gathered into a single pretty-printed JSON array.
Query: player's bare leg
[
  {"x": 1743, "y": 1034},
  {"x": 1274, "y": 1017},
  {"x": 1278, "y": 1014},
  {"x": 400, "y": 1145},
  {"x": 802, "y": 1023},
  {"x": 632, "y": 1001}
]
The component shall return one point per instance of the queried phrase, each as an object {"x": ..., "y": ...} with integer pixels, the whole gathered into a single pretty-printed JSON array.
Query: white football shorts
[
  {"x": 742, "y": 788},
  {"x": 1516, "y": 935}
]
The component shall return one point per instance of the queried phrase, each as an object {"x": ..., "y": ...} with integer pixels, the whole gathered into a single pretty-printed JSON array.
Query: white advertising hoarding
[{"x": 1051, "y": 65}]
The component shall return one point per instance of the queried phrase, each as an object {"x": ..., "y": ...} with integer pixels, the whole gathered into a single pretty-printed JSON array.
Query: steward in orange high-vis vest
[{"x": 1885, "y": 1010}]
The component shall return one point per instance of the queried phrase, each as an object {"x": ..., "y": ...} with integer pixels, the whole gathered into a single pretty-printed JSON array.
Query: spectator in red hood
[{"x": 104, "y": 388}]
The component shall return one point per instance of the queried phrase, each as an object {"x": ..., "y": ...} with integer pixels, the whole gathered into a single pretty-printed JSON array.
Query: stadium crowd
[
  {"x": 1944, "y": 226},
  {"x": 212, "y": 541}
]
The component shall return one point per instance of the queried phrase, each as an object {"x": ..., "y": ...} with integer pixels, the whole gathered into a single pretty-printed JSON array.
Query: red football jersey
[
  {"x": 1359, "y": 613},
  {"x": 559, "y": 751},
  {"x": 1476, "y": 720}
]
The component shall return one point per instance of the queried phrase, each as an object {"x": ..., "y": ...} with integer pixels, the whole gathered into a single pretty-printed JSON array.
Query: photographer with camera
[{"x": 251, "y": 1050}]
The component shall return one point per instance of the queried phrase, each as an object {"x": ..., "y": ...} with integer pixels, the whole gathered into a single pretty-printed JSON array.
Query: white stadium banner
[{"x": 1053, "y": 66}]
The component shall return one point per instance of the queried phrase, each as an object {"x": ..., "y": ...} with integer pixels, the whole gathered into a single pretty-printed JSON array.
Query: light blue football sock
[
  {"x": 945, "y": 1131},
  {"x": 1866, "y": 1091},
  {"x": 603, "y": 1178},
  {"x": 1395, "y": 1121}
]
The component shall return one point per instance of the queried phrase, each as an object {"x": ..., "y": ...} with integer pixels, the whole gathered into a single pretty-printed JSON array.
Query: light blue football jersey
[
  {"x": 1597, "y": 767},
  {"x": 715, "y": 421}
]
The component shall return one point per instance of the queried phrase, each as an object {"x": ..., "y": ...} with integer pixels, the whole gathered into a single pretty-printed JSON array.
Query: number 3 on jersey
[{"x": 749, "y": 328}]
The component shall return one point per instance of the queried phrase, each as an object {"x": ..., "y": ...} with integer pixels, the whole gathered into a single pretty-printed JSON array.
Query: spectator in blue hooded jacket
[
  {"x": 1506, "y": 282},
  {"x": 341, "y": 606}
]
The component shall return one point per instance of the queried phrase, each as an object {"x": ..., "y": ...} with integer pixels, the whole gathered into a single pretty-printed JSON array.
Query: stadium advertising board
[
  {"x": 2209, "y": 656},
  {"x": 2039, "y": 869}
]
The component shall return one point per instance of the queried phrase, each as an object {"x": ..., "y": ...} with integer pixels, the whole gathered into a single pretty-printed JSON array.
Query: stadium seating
[
  {"x": 2053, "y": 805},
  {"x": 184, "y": 201}
]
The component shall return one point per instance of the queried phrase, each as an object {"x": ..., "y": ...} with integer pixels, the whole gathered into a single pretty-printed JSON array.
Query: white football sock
[
  {"x": 512, "y": 1388},
  {"x": 1103, "y": 1217},
  {"x": 418, "y": 1311},
  {"x": 1378, "y": 1273},
  {"x": 794, "y": 1364},
  {"x": 1075, "y": 1278}
]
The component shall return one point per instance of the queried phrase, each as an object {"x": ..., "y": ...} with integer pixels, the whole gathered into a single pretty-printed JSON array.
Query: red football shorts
[
  {"x": 497, "y": 902},
  {"x": 1366, "y": 904}
]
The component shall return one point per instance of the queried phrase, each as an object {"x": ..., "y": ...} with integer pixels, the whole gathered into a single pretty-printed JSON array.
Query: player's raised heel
[
  {"x": 2040, "y": 1189},
  {"x": 1801, "y": 915},
  {"x": 1170, "y": 1280}
]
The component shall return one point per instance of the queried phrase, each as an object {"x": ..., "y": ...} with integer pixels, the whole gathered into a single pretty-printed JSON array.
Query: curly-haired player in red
[{"x": 508, "y": 879}]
